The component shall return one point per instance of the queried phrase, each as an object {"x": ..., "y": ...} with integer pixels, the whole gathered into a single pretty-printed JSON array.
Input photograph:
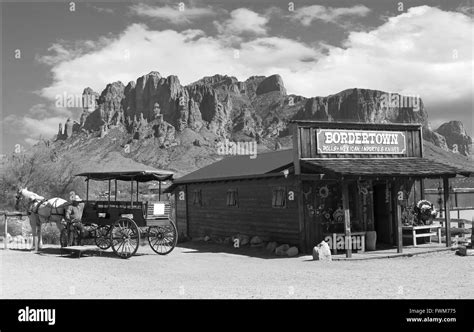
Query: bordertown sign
[{"x": 360, "y": 141}]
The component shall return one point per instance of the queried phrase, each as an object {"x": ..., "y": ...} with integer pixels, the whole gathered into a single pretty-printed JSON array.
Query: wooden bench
[{"x": 414, "y": 232}]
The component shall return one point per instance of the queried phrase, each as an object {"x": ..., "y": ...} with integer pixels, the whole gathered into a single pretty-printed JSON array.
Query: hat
[{"x": 77, "y": 199}]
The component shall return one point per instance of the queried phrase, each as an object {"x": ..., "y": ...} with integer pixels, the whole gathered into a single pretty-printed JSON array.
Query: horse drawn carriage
[{"x": 121, "y": 224}]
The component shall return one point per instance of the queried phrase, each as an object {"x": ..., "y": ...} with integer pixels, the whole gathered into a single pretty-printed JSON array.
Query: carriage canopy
[{"x": 140, "y": 176}]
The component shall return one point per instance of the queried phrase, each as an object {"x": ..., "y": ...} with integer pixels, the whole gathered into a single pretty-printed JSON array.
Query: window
[
  {"x": 197, "y": 197},
  {"x": 232, "y": 197},
  {"x": 279, "y": 197}
]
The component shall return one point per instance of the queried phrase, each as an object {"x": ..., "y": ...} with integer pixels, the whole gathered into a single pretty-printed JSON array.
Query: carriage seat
[{"x": 158, "y": 210}]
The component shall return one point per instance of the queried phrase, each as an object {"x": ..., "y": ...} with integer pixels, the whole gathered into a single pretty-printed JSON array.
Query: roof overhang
[{"x": 381, "y": 167}]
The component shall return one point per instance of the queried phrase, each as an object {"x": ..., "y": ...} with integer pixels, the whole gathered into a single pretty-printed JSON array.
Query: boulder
[
  {"x": 255, "y": 241},
  {"x": 271, "y": 246},
  {"x": 244, "y": 240},
  {"x": 207, "y": 238},
  {"x": 293, "y": 251},
  {"x": 322, "y": 252},
  {"x": 282, "y": 250}
]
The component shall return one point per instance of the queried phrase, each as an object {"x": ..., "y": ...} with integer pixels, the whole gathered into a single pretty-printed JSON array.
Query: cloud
[
  {"x": 175, "y": 15},
  {"x": 40, "y": 121},
  {"x": 101, "y": 10},
  {"x": 425, "y": 51},
  {"x": 306, "y": 15},
  {"x": 241, "y": 21}
]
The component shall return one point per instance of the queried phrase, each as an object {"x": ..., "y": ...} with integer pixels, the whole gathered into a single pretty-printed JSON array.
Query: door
[{"x": 382, "y": 214}]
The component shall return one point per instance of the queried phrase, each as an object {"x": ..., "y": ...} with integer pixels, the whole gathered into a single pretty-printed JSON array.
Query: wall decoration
[{"x": 324, "y": 192}]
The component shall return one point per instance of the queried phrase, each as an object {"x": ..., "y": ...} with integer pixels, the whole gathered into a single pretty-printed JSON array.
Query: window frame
[
  {"x": 275, "y": 191},
  {"x": 197, "y": 197},
  {"x": 229, "y": 193}
]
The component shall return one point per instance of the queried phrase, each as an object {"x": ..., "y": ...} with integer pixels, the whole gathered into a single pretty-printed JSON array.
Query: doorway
[{"x": 382, "y": 215}]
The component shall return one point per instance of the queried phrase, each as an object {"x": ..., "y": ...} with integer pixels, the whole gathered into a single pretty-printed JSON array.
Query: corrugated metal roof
[
  {"x": 234, "y": 166},
  {"x": 416, "y": 167}
]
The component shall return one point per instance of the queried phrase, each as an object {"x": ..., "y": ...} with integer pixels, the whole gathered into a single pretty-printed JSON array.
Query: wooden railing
[{"x": 5, "y": 215}]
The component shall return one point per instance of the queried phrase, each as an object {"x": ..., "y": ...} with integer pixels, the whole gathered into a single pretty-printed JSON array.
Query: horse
[{"x": 40, "y": 211}]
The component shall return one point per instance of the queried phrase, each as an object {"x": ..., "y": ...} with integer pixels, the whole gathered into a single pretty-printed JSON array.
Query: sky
[{"x": 51, "y": 51}]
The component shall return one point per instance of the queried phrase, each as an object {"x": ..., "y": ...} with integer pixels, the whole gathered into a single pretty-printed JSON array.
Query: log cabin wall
[{"x": 253, "y": 215}]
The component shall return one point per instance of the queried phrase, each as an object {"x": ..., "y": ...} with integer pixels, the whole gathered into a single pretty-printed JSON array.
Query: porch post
[
  {"x": 109, "y": 190},
  {"x": 447, "y": 214},
  {"x": 115, "y": 186},
  {"x": 398, "y": 218},
  {"x": 131, "y": 193},
  {"x": 347, "y": 218},
  {"x": 303, "y": 238}
]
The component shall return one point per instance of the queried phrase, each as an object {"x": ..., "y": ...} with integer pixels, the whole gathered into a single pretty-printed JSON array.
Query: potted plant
[{"x": 424, "y": 212}]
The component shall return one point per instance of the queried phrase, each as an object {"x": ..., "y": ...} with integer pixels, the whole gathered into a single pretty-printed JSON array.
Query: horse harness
[{"x": 34, "y": 209}]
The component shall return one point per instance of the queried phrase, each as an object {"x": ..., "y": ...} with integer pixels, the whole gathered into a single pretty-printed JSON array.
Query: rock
[
  {"x": 197, "y": 143},
  {"x": 90, "y": 100},
  {"x": 293, "y": 251},
  {"x": 244, "y": 240},
  {"x": 322, "y": 252},
  {"x": 435, "y": 138},
  {"x": 271, "y": 246},
  {"x": 462, "y": 251},
  {"x": 456, "y": 137},
  {"x": 271, "y": 83},
  {"x": 282, "y": 250},
  {"x": 255, "y": 240},
  {"x": 207, "y": 238},
  {"x": 68, "y": 128}
]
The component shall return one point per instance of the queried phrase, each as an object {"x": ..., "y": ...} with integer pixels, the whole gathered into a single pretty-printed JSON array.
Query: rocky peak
[
  {"x": 271, "y": 83},
  {"x": 456, "y": 136}
]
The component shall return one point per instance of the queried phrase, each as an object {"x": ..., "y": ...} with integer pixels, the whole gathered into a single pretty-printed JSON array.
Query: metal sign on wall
[{"x": 360, "y": 141}]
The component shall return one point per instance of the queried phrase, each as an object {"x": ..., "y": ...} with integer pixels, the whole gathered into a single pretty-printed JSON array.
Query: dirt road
[{"x": 201, "y": 270}]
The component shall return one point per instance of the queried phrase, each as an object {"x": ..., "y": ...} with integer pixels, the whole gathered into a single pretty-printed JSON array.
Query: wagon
[{"x": 121, "y": 224}]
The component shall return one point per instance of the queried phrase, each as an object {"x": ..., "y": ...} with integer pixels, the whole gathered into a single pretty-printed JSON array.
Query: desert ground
[{"x": 203, "y": 270}]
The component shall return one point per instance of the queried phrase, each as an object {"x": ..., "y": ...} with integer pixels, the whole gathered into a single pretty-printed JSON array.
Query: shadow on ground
[
  {"x": 65, "y": 253},
  {"x": 199, "y": 247}
]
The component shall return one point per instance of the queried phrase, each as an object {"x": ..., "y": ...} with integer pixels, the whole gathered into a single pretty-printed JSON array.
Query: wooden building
[{"x": 339, "y": 178}]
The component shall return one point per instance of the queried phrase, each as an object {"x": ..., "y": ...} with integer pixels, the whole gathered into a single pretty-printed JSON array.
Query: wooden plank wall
[
  {"x": 308, "y": 139},
  {"x": 181, "y": 208},
  {"x": 254, "y": 214}
]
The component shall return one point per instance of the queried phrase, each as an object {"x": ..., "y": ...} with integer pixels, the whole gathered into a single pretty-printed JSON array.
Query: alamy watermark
[
  {"x": 397, "y": 100},
  {"x": 226, "y": 148},
  {"x": 344, "y": 242}
]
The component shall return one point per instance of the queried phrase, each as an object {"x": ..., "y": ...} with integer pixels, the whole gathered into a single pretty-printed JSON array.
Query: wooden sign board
[{"x": 337, "y": 141}]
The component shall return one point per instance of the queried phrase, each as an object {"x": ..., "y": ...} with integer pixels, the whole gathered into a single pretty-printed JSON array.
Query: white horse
[{"x": 40, "y": 211}]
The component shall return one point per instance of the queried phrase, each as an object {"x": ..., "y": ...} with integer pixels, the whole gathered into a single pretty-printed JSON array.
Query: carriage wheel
[
  {"x": 125, "y": 237},
  {"x": 163, "y": 239},
  {"x": 102, "y": 237}
]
